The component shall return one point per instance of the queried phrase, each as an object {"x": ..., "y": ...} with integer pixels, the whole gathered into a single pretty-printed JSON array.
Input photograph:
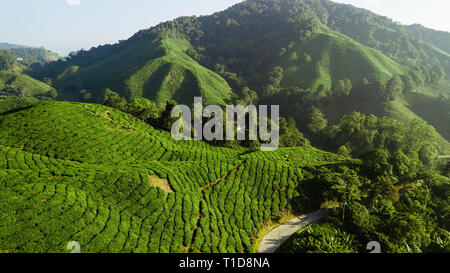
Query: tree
[
  {"x": 344, "y": 187},
  {"x": 107, "y": 94},
  {"x": 429, "y": 154},
  {"x": 343, "y": 88},
  {"x": 360, "y": 219},
  {"x": 144, "y": 109},
  {"x": 376, "y": 163},
  {"x": 249, "y": 96},
  {"x": 418, "y": 77},
  {"x": 343, "y": 151},
  {"x": 408, "y": 84},
  {"x": 269, "y": 91},
  {"x": 7, "y": 60},
  {"x": 437, "y": 74},
  {"x": 85, "y": 95},
  {"x": 117, "y": 102},
  {"x": 404, "y": 167},
  {"x": 306, "y": 59},
  {"x": 48, "y": 81},
  {"x": 166, "y": 121},
  {"x": 317, "y": 121},
  {"x": 348, "y": 87},
  {"x": 394, "y": 88},
  {"x": 290, "y": 136},
  {"x": 53, "y": 94},
  {"x": 340, "y": 88},
  {"x": 276, "y": 76}
]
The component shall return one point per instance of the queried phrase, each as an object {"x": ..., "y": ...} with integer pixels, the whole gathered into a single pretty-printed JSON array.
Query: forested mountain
[
  {"x": 439, "y": 39},
  {"x": 296, "y": 53}
]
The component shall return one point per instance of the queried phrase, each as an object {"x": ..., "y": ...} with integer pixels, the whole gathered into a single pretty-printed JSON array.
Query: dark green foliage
[
  {"x": 20, "y": 85},
  {"x": 361, "y": 134},
  {"x": 290, "y": 136},
  {"x": 343, "y": 87},
  {"x": 391, "y": 199},
  {"x": 317, "y": 121},
  {"x": 141, "y": 108},
  {"x": 167, "y": 120},
  {"x": 321, "y": 238},
  {"x": 7, "y": 60},
  {"x": 394, "y": 88}
]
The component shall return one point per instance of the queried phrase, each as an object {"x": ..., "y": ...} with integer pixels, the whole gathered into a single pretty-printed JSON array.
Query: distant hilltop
[{"x": 29, "y": 55}]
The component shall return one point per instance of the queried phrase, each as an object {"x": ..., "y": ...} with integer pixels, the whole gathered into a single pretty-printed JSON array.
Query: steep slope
[
  {"x": 271, "y": 46},
  {"x": 176, "y": 58},
  {"x": 335, "y": 57},
  {"x": 394, "y": 40},
  {"x": 440, "y": 39},
  {"x": 158, "y": 70},
  {"x": 115, "y": 184},
  {"x": 16, "y": 83}
]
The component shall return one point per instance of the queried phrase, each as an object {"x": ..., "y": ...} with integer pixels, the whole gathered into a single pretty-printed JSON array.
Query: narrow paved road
[{"x": 278, "y": 236}]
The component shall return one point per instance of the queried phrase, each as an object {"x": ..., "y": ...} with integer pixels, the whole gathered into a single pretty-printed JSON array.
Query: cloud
[{"x": 73, "y": 2}]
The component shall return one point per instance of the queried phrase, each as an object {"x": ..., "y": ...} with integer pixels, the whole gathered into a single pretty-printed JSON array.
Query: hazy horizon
[{"x": 82, "y": 24}]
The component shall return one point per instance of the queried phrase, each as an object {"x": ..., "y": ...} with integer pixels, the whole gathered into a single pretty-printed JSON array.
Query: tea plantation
[{"x": 92, "y": 174}]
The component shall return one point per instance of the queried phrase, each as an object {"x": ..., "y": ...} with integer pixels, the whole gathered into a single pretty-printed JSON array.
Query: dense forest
[{"x": 364, "y": 133}]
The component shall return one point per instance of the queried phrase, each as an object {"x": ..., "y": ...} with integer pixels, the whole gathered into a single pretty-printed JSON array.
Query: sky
[{"x": 69, "y": 25}]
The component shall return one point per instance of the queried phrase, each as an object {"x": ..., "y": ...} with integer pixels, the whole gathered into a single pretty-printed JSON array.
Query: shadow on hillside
[{"x": 15, "y": 110}]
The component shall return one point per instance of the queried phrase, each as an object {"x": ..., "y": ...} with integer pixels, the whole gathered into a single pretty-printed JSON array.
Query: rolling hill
[
  {"x": 335, "y": 57},
  {"x": 159, "y": 70},
  {"x": 13, "y": 83},
  {"x": 115, "y": 184}
]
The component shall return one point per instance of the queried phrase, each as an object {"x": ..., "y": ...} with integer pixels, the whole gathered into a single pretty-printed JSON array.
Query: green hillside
[
  {"x": 371, "y": 95},
  {"x": 175, "y": 60},
  {"x": 31, "y": 55},
  {"x": 440, "y": 39},
  {"x": 335, "y": 57},
  {"x": 272, "y": 47},
  {"x": 115, "y": 184},
  {"x": 13, "y": 83},
  {"x": 158, "y": 70}
]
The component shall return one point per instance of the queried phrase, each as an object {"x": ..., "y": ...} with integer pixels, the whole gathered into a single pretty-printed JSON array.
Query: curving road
[{"x": 278, "y": 236}]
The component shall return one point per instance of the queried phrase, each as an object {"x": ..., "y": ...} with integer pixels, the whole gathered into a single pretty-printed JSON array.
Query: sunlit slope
[
  {"x": 335, "y": 57},
  {"x": 97, "y": 176},
  {"x": 18, "y": 81},
  {"x": 95, "y": 134},
  {"x": 158, "y": 69}
]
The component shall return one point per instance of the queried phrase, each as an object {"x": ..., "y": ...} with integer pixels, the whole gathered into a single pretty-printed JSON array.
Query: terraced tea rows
[{"x": 87, "y": 173}]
